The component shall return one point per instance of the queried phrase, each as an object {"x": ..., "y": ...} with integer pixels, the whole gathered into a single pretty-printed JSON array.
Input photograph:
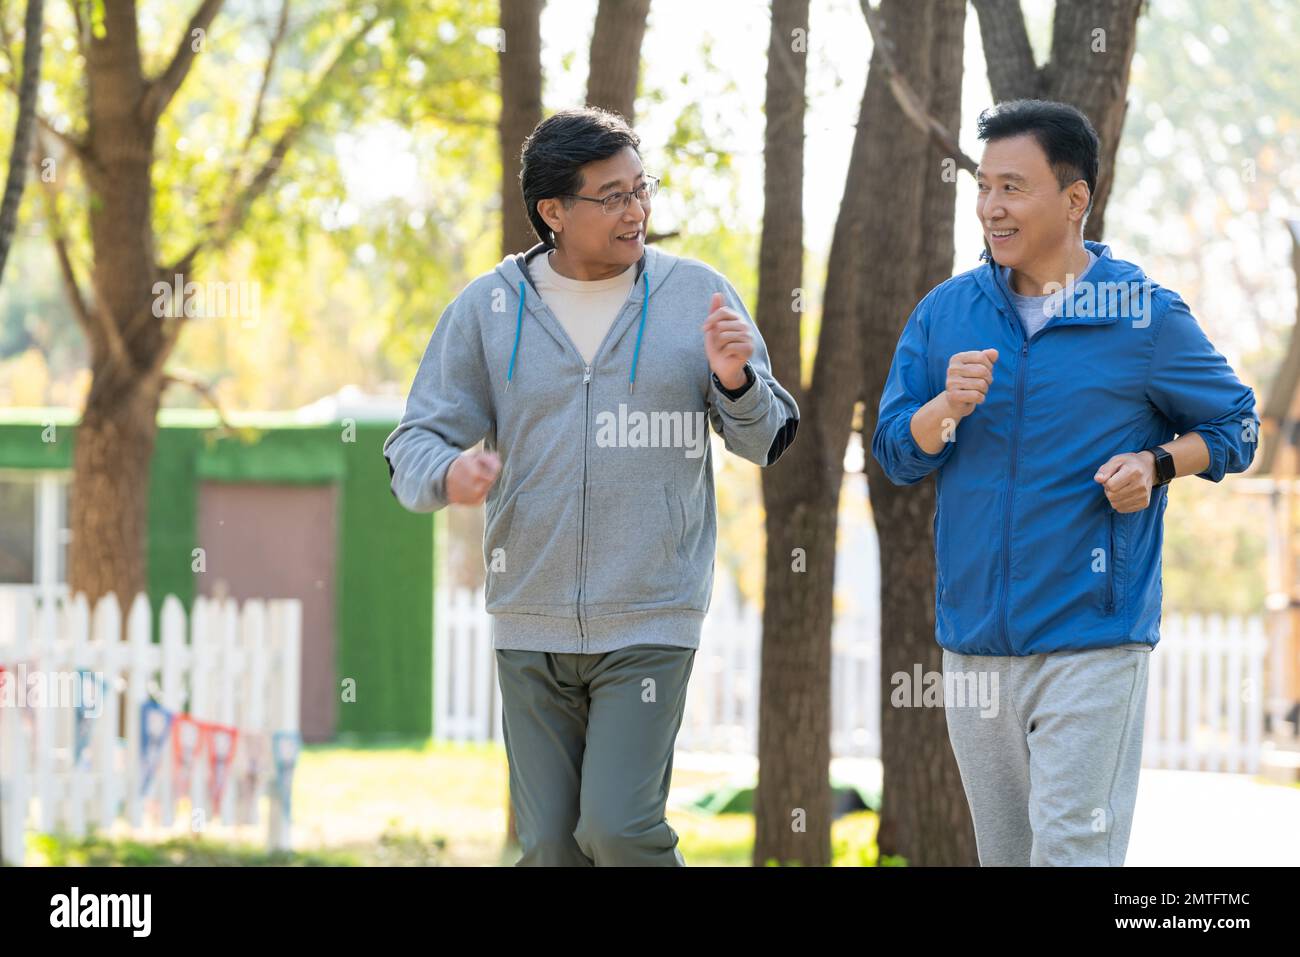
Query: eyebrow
[
  {"x": 1012, "y": 176},
  {"x": 616, "y": 182}
]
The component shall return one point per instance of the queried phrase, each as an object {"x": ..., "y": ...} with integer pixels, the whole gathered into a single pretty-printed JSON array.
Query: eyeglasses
[{"x": 617, "y": 202}]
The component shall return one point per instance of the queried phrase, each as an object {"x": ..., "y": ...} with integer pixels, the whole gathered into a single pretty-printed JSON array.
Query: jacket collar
[{"x": 1109, "y": 293}]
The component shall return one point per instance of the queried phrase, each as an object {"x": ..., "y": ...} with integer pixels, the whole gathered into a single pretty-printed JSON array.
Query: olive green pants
[{"x": 589, "y": 739}]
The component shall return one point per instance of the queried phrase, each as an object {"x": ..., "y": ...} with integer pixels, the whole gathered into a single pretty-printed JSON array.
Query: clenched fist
[
  {"x": 1128, "y": 480},
  {"x": 727, "y": 343},
  {"x": 470, "y": 475},
  {"x": 969, "y": 376}
]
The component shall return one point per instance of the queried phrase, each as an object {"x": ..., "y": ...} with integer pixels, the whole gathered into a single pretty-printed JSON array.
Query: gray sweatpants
[
  {"x": 1050, "y": 760},
  {"x": 589, "y": 739}
]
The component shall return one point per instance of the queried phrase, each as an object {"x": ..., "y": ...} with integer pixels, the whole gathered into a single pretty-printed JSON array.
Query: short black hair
[
  {"x": 559, "y": 147},
  {"x": 1064, "y": 133}
]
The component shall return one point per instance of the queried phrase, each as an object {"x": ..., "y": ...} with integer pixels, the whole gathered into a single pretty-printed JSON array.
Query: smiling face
[
  {"x": 590, "y": 238},
  {"x": 1024, "y": 212}
]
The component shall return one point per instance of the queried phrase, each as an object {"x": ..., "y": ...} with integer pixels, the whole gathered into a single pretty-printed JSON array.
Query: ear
[
  {"x": 1079, "y": 196},
  {"x": 549, "y": 210}
]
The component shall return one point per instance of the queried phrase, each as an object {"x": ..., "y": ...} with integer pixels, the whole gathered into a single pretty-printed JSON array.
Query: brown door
[{"x": 265, "y": 540}]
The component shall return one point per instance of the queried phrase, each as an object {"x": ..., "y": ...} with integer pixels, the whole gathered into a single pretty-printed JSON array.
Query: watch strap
[{"x": 1165, "y": 469}]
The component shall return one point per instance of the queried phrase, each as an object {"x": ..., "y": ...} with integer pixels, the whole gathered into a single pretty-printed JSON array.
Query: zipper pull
[{"x": 586, "y": 374}]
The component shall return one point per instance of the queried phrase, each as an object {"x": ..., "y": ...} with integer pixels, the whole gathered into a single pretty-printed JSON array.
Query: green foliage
[
  {"x": 419, "y": 70},
  {"x": 1206, "y": 168},
  {"x": 387, "y": 203},
  {"x": 61, "y": 850},
  {"x": 1215, "y": 549}
]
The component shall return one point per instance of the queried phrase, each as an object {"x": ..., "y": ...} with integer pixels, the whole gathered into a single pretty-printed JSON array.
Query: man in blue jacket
[{"x": 1045, "y": 390}]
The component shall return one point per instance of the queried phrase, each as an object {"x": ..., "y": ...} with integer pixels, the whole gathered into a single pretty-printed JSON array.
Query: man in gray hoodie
[{"x": 591, "y": 367}]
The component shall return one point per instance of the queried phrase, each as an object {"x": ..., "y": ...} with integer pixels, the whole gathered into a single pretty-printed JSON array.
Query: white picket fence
[
  {"x": 69, "y": 762},
  {"x": 1205, "y": 700},
  {"x": 1205, "y": 694}
]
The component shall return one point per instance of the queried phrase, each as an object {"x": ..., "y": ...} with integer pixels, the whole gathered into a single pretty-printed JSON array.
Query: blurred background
[{"x": 229, "y": 230}]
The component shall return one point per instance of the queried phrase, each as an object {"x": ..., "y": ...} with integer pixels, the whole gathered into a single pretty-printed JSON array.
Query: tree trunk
[
  {"x": 801, "y": 492},
  {"x": 616, "y": 55},
  {"x": 109, "y": 505},
  {"x": 22, "y": 128},
  {"x": 792, "y": 806},
  {"x": 521, "y": 110},
  {"x": 115, "y": 438},
  {"x": 520, "y": 63},
  {"x": 924, "y": 816},
  {"x": 1092, "y": 51}
]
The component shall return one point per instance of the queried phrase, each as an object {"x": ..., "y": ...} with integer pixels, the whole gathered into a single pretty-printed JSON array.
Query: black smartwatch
[{"x": 1164, "y": 466}]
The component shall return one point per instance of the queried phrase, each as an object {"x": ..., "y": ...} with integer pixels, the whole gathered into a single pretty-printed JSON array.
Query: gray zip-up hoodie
[{"x": 601, "y": 527}]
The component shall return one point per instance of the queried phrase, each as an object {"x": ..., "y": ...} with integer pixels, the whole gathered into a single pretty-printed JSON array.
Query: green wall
[
  {"x": 385, "y": 559},
  {"x": 173, "y": 518},
  {"x": 385, "y": 612}
]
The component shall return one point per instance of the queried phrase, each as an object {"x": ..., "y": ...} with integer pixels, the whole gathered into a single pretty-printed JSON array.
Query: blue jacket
[{"x": 1029, "y": 555}]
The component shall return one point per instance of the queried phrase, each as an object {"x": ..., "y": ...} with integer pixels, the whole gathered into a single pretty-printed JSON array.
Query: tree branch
[
  {"x": 70, "y": 143},
  {"x": 1012, "y": 71},
  {"x": 170, "y": 336},
  {"x": 220, "y": 230},
  {"x": 22, "y": 128},
  {"x": 204, "y": 389},
  {"x": 93, "y": 322},
  {"x": 906, "y": 97},
  {"x": 81, "y": 20},
  {"x": 163, "y": 87},
  {"x": 255, "y": 124},
  {"x": 74, "y": 145},
  {"x": 70, "y": 283}
]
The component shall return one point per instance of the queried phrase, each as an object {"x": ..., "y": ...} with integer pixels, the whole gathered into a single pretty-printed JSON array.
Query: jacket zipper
[
  {"x": 582, "y": 519},
  {"x": 1011, "y": 493},
  {"x": 1021, "y": 374},
  {"x": 586, "y": 424},
  {"x": 1015, "y": 457}
]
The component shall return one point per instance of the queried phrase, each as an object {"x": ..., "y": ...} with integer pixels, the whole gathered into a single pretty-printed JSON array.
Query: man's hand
[
  {"x": 727, "y": 343},
  {"x": 1128, "y": 479},
  {"x": 470, "y": 475},
  {"x": 969, "y": 376}
]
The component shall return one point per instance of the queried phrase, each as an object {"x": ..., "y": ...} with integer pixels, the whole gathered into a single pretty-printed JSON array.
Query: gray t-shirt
[{"x": 1036, "y": 310}]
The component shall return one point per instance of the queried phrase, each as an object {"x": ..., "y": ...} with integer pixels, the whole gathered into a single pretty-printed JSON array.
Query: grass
[{"x": 413, "y": 803}]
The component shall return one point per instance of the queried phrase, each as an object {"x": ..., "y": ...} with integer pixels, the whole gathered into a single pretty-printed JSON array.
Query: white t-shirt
[
  {"x": 586, "y": 309},
  {"x": 1036, "y": 311}
]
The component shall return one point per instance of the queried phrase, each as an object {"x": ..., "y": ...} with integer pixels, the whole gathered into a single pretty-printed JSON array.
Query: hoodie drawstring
[
  {"x": 519, "y": 327},
  {"x": 636, "y": 354}
]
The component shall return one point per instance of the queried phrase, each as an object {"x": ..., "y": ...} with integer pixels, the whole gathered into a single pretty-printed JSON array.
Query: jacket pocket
[
  {"x": 1115, "y": 561},
  {"x": 941, "y": 551},
  {"x": 531, "y": 551},
  {"x": 1110, "y": 562},
  {"x": 632, "y": 553}
]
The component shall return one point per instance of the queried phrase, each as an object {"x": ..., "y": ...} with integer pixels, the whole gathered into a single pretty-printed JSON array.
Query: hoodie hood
[{"x": 652, "y": 269}]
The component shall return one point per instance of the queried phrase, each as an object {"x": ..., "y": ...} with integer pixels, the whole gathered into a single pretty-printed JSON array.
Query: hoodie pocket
[
  {"x": 632, "y": 545},
  {"x": 531, "y": 551}
]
